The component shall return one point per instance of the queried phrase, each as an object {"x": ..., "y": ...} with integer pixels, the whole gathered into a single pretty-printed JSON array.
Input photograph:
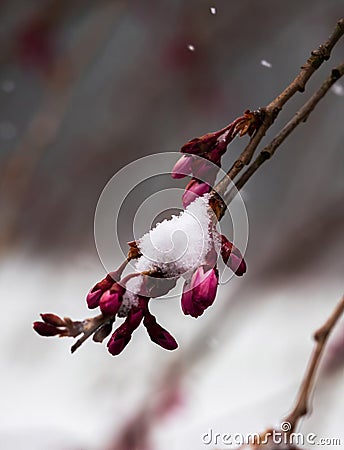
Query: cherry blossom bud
[
  {"x": 98, "y": 290},
  {"x": 53, "y": 319},
  {"x": 135, "y": 317},
  {"x": 111, "y": 300},
  {"x": 122, "y": 336},
  {"x": 193, "y": 190},
  {"x": 232, "y": 257},
  {"x": 183, "y": 167},
  {"x": 219, "y": 140},
  {"x": 93, "y": 298},
  {"x": 205, "y": 169},
  {"x": 211, "y": 259},
  {"x": 204, "y": 144},
  {"x": 158, "y": 334},
  {"x": 119, "y": 340},
  {"x": 237, "y": 264},
  {"x": 200, "y": 292},
  {"x": 45, "y": 329}
]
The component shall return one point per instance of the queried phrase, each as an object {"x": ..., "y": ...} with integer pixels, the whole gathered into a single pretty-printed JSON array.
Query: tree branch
[
  {"x": 321, "y": 336},
  {"x": 271, "y": 111},
  {"x": 300, "y": 116}
]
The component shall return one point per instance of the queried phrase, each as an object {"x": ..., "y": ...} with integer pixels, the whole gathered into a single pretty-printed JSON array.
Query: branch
[
  {"x": 321, "y": 336},
  {"x": 300, "y": 116},
  {"x": 271, "y": 111},
  {"x": 90, "y": 327}
]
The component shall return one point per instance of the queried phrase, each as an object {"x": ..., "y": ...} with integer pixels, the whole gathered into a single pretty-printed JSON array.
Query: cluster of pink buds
[
  {"x": 210, "y": 147},
  {"x": 115, "y": 296}
]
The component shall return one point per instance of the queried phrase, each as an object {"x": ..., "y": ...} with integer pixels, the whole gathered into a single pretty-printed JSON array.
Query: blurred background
[{"x": 88, "y": 87}]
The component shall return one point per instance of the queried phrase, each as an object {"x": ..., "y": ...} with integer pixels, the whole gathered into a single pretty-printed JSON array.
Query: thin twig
[
  {"x": 90, "y": 326},
  {"x": 321, "y": 336},
  {"x": 300, "y": 116},
  {"x": 271, "y": 111}
]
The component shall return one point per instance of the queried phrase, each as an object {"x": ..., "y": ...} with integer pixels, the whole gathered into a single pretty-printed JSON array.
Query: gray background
[{"x": 115, "y": 82}]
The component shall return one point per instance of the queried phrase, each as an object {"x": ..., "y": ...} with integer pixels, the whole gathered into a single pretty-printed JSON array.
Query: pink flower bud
[
  {"x": 215, "y": 155},
  {"x": 237, "y": 264},
  {"x": 219, "y": 140},
  {"x": 135, "y": 317},
  {"x": 232, "y": 256},
  {"x": 182, "y": 167},
  {"x": 111, "y": 300},
  {"x": 201, "y": 145},
  {"x": 205, "y": 170},
  {"x": 53, "y": 319},
  {"x": 121, "y": 337},
  {"x": 158, "y": 334},
  {"x": 119, "y": 340},
  {"x": 45, "y": 329},
  {"x": 193, "y": 190},
  {"x": 93, "y": 298},
  {"x": 200, "y": 292},
  {"x": 98, "y": 290}
]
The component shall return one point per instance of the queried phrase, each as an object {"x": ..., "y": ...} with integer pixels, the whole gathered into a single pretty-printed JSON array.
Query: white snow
[
  {"x": 178, "y": 245},
  {"x": 338, "y": 89},
  {"x": 191, "y": 47},
  {"x": 265, "y": 63},
  {"x": 213, "y": 10},
  {"x": 129, "y": 298}
]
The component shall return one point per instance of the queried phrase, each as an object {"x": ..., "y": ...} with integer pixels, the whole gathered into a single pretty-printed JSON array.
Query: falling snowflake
[
  {"x": 265, "y": 63},
  {"x": 191, "y": 48},
  {"x": 213, "y": 10},
  {"x": 8, "y": 86},
  {"x": 338, "y": 89}
]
